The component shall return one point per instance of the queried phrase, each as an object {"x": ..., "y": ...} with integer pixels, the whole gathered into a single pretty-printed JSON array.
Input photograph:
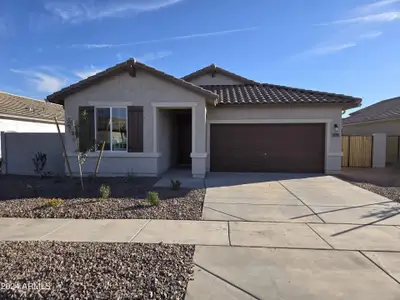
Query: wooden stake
[{"x": 63, "y": 145}]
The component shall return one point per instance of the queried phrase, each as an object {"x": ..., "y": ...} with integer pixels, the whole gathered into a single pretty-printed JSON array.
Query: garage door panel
[{"x": 267, "y": 147}]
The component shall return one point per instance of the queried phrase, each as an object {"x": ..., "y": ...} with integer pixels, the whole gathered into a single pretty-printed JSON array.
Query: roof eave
[{"x": 59, "y": 97}]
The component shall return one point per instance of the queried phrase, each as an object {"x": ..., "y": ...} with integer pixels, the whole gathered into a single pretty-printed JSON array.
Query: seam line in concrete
[
  {"x": 320, "y": 236},
  {"x": 224, "y": 214},
  {"x": 296, "y": 248},
  {"x": 62, "y": 226},
  {"x": 254, "y": 204},
  {"x": 229, "y": 233},
  {"x": 301, "y": 201},
  {"x": 139, "y": 231},
  {"x": 226, "y": 281},
  {"x": 386, "y": 272}
]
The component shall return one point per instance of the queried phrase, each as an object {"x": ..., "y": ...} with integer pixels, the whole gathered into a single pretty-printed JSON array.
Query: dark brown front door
[
  {"x": 184, "y": 122},
  {"x": 267, "y": 148}
]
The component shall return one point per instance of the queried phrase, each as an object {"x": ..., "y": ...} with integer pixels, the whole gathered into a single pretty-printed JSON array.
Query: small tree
[{"x": 73, "y": 129}]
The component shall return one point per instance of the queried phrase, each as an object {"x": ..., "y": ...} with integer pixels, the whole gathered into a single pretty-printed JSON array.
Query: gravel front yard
[
  {"x": 384, "y": 182},
  {"x": 25, "y": 197},
  {"x": 58, "y": 270}
]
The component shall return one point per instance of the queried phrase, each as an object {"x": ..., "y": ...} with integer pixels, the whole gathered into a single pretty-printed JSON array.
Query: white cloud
[
  {"x": 168, "y": 39},
  {"x": 372, "y": 18},
  {"x": 86, "y": 10},
  {"x": 327, "y": 49},
  {"x": 42, "y": 82},
  {"x": 377, "y": 5},
  {"x": 87, "y": 72},
  {"x": 153, "y": 56},
  {"x": 370, "y": 35}
]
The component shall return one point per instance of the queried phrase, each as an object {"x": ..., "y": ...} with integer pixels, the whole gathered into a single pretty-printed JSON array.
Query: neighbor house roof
[
  {"x": 384, "y": 110},
  {"x": 28, "y": 108},
  {"x": 58, "y": 97},
  {"x": 215, "y": 69},
  {"x": 276, "y": 94}
]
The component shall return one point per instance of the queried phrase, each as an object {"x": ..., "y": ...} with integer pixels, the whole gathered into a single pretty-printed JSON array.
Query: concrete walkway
[{"x": 211, "y": 233}]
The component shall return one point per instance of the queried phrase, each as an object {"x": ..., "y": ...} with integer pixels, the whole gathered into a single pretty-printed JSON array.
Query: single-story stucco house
[
  {"x": 22, "y": 114},
  {"x": 381, "y": 117},
  {"x": 211, "y": 120}
]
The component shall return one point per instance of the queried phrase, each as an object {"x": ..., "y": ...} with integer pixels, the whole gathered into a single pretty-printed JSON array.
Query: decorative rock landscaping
[
  {"x": 31, "y": 197},
  {"x": 59, "y": 270}
]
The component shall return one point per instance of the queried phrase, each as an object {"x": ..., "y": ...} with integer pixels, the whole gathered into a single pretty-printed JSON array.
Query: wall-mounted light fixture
[
  {"x": 335, "y": 128},
  {"x": 335, "y": 132}
]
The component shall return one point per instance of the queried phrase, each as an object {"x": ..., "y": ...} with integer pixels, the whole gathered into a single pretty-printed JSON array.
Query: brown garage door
[{"x": 267, "y": 148}]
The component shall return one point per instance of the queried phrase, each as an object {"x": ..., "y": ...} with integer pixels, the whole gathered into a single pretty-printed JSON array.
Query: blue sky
[{"x": 342, "y": 46}]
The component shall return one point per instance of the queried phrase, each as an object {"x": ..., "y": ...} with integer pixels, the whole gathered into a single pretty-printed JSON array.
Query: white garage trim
[{"x": 328, "y": 126}]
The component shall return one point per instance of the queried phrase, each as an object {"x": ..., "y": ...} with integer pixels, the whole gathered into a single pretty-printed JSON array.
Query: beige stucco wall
[
  {"x": 388, "y": 127},
  {"x": 219, "y": 79},
  {"x": 293, "y": 114},
  {"x": 144, "y": 90}
]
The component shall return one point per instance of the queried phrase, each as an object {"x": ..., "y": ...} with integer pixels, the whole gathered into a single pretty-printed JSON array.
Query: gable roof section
[
  {"x": 58, "y": 97},
  {"x": 213, "y": 68},
  {"x": 28, "y": 108},
  {"x": 384, "y": 110},
  {"x": 276, "y": 94}
]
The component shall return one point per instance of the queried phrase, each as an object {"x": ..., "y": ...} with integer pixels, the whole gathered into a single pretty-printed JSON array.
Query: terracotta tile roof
[
  {"x": 276, "y": 94},
  {"x": 213, "y": 68},
  {"x": 24, "y": 107},
  {"x": 384, "y": 110},
  {"x": 58, "y": 97}
]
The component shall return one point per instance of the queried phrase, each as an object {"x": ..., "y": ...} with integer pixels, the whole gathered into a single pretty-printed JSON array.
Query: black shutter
[
  {"x": 135, "y": 129},
  {"x": 86, "y": 128}
]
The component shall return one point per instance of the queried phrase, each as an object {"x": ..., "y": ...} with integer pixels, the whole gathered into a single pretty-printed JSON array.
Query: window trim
[{"x": 95, "y": 127}]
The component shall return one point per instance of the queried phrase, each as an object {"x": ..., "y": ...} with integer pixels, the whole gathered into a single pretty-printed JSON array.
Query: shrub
[
  {"x": 39, "y": 162},
  {"x": 175, "y": 184},
  {"x": 53, "y": 202},
  {"x": 105, "y": 191},
  {"x": 152, "y": 198}
]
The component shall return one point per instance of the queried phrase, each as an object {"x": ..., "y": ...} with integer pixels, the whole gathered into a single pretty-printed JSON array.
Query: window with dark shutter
[
  {"x": 135, "y": 129},
  {"x": 86, "y": 128}
]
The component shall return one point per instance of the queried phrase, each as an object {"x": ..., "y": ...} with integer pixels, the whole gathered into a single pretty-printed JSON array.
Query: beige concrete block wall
[
  {"x": 379, "y": 150},
  {"x": 388, "y": 127},
  {"x": 275, "y": 114},
  {"x": 18, "y": 150}
]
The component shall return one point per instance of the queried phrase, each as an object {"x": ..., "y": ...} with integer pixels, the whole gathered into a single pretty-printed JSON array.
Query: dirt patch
[{"x": 27, "y": 197}]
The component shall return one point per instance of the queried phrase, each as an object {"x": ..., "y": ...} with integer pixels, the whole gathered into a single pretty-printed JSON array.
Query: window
[{"x": 111, "y": 128}]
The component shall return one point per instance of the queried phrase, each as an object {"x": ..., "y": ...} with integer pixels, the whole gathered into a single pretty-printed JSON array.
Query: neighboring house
[
  {"x": 22, "y": 114},
  {"x": 381, "y": 117},
  {"x": 212, "y": 120}
]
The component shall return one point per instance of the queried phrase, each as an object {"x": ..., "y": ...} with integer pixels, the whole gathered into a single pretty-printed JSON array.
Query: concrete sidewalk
[{"x": 211, "y": 233}]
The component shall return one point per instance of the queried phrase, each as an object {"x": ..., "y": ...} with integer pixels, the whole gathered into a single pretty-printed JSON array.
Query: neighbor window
[{"x": 111, "y": 128}]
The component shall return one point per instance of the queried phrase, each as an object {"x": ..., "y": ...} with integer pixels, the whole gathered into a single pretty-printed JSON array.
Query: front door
[{"x": 184, "y": 122}]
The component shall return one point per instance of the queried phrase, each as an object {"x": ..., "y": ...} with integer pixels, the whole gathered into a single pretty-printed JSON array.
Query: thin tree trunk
[
  {"x": 80, "y": 172},
  {"x": 64, "y": 149}
]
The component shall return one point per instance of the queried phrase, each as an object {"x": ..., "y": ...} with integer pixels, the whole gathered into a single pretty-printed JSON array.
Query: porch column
[{"x": 199, "y": 139}]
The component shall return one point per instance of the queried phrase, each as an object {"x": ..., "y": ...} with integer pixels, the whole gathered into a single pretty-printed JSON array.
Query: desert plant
[
  {"x": 73, "y": 129},
  {"x": 39, "y": 162},
  {"x": 53, "y": 202},
  {"x": 175, "y": 184},
  {"x": 152, "y": 198},
  {"x": 105, "y": 191}
]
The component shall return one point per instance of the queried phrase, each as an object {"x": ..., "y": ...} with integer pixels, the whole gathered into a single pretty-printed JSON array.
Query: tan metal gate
[{"x": 357, "y": 151}]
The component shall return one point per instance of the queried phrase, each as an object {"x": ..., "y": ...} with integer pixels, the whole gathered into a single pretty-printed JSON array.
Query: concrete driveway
[
  {"x": 298, "y": 237},
  {"x": 294, "y": 198}
]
